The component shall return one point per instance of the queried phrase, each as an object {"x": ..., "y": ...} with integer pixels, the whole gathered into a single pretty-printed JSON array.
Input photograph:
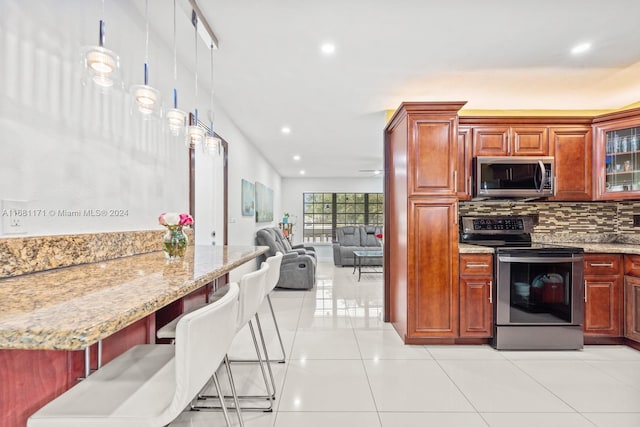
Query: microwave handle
[{"x": 543, "y": 177}]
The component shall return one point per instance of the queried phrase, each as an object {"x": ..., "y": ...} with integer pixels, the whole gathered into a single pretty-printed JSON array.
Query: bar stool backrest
[
  {"x": 252, "y": 286},
  {"x": 203, "y": 337},
  {"x": 274, "y": 271}
]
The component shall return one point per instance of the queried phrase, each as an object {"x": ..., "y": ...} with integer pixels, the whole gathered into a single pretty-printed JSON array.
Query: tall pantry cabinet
[{"x": 421, "y": 220}]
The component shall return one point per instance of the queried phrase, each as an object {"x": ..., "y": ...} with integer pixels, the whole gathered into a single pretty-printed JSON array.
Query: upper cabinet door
[
  {"x": 491, "y": 141},
  {"x": 617, "y": 156},
  {"x": 572, "y": 149},
  {"x": 510, "y": 141},
  {"x": 432, "y": 156},
  {"x": 529, "y": 141}
]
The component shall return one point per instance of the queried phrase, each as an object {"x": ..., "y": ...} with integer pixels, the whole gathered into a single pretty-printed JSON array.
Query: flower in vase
[
  {"x": 175, "y": 241},
  {"x": 379, "y": 237}
]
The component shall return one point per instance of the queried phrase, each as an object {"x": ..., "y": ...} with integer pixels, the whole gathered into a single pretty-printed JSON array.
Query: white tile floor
[{"x": 346, "y": 367}]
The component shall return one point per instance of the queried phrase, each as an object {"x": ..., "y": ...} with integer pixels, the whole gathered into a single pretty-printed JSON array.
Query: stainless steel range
[{"x": 539, "y": 292}]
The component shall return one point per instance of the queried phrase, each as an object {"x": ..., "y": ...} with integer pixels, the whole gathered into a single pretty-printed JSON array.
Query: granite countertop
[
  {"x": 604, "y": 248},
  {"x": 465, "y": 248},
  {"x": 74, "y": 307}
]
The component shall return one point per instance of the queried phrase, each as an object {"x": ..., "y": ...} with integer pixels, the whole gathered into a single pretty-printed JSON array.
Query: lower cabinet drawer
[
  {"x": 602, "y": 264},
  {"x": 476, "y": 264},
  {"x": 632, "y": 265}
]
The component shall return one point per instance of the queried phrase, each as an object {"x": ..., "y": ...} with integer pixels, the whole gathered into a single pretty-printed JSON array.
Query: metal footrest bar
[
  {"x": 270, "y": 396},
  {"x": 223, "y": 407}
]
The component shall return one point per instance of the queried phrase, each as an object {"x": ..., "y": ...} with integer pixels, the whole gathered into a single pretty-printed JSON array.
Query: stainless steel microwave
[{"x": 515, "y": 176}]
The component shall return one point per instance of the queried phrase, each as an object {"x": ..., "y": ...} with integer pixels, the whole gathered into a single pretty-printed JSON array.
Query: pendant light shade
[
  {"x": 176, "y": 118},
  {"x": 211, "y": 143},
  {"x": 195, "y": 133},
  {"x": 147, "y": 98},
  {"x": 101, "y": 66}
]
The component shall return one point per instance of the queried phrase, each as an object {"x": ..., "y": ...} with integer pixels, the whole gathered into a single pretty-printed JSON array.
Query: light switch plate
[{"x": 14, "y": 216}]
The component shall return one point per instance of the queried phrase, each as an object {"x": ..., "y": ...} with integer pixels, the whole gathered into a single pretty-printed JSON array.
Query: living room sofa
[
  {"x": 355, "y": 238},
  {"x": 298, "y": 268}
]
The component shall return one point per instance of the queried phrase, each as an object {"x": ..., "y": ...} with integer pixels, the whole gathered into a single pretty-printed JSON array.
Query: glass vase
[{"x": 175, "y": 243}]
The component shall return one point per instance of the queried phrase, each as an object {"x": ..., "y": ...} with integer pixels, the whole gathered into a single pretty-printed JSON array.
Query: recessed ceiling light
[
  {"x": 580, "y": 48},
  {"x": 328, "y": 48},
  {"x": 296, "y": 157},
  {"x": 302, "y": 172},
  {"x": 286, "y": 129}
]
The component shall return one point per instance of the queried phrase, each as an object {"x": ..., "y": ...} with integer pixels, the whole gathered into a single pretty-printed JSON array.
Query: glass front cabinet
[{"x": 617, "y": 156}]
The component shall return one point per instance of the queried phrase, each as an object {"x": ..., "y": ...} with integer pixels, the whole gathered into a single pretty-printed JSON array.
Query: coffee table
[{"x": 360, "y": 255}]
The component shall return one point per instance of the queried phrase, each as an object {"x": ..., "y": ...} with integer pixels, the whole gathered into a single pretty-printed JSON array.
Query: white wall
[
  {"x": 66, "y": 147},
  {"x": 292, "y": 202}
]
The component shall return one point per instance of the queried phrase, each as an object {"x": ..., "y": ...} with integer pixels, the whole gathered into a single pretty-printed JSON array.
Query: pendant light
[
  {"x": 176, "y": 118},
  {"x": 147, "y": 98},
  {"x": 101, "y": 66},
  {"x": 211, "y": 141},
  {"x": 195, "y": 133}
]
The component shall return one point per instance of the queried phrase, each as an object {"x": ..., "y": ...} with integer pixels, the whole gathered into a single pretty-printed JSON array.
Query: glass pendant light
[
  {"x": 176, "y": 118},
  {"x": 195, "y": 133},
  {"x": 147, "y": 98},
  {"x": 101, "y": 66},
  {"x": 211, "y": 141}
]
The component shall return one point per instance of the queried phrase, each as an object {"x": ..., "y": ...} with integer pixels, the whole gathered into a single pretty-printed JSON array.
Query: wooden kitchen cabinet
[
  {"x": 632, "y": 308},
  {"x": 617, "y": 155},
  {"x": 632, "y": 297},
  {"x": 433, "y": 163},
  {"x": 572, "y": 149},
  {"x": 476, "y": 299},
  {"x": 421, "y": 213},
  {"x": 510, "y": 141},
  {"x": 432, "y": 258},
  {"x": 465, "y": 163},
  {"x": 603, "y": 295}
]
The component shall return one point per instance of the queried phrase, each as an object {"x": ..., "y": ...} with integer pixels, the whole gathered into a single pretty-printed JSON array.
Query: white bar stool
[{"x": 151, "y": 384}]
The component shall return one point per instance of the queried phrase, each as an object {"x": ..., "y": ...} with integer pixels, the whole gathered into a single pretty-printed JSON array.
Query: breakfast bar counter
[
  {"x": 74, "y": 307},
  {"x": 48, "y": 318}
]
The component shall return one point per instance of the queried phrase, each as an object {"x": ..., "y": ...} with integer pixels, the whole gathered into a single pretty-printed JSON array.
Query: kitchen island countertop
[{"x": 72, "y": 308}]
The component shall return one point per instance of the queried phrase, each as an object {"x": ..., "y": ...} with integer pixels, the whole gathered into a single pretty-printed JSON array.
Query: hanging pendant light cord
[
  {"x": 195, "y": 38},
  {"x": 146, "y": 43},
  {"x": 211, "y": 124},
  {"x": 101, "y": 30},
  {"x": 175, "y": 60},
  {"x": 175, "y": 48}
]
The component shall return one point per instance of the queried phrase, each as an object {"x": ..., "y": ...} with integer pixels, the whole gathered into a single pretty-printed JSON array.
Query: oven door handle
[{"x": 540, "y": 260}]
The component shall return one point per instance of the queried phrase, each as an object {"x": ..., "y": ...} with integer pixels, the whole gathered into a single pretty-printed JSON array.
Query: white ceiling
[{"x": 495, "y": 54}]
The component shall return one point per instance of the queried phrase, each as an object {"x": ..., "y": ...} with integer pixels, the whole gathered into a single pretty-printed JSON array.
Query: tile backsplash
[{"x": 583, "y": 221}]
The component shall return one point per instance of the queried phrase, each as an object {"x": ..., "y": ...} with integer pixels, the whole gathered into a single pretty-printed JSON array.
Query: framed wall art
[
  {"x": 248, "y": 198},
  {"x": 264, "y": 203}
]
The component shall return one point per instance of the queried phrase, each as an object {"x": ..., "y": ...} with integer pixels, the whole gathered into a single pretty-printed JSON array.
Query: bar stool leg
[
  {"x": 275, "y": 321},
  {"x": 264, "y": 374},
  {"x": 269, "y": 395},
  {"x": 221, "y": 398},
  {"x": 233, "y": 390},
  {"x": 266, "y": 355}
]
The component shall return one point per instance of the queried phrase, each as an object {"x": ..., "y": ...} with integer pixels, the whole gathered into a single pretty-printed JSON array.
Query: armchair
[
  {"x": 298, "y": 267},
  {"x": 299, "y": 248}
]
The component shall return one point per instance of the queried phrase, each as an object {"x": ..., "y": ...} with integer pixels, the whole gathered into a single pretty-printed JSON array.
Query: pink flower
[
  {"x": 185, "y": 219},
  {"x": 172, "y": 219}
]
